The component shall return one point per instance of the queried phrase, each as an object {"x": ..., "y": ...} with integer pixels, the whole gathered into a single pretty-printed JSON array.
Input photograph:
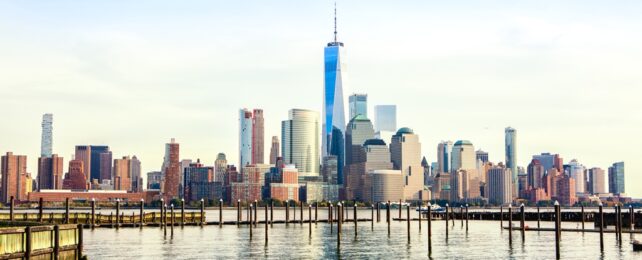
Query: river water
[{"x": 483, "y": 240}]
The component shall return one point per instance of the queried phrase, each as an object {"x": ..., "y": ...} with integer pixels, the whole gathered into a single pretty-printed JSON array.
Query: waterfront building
[
  {"x": 154, "y": 180},
  {"x": 374, "y": 155},
  {"x": 220, "y": 166},
  {"x": 463, "y": 156},
  {"x": 550, "y": 161},
  {"x": 329, "y": 169},
  {"x": 122, "y": 174},
  {"x": 136, "y": 176},
  {"x": 46, "y": 141},
  {"x": 94, "y": 167},
  {"x": 245, "y": 137},
  {"x": 616, "y": 178},
  {"x": 83, "y": 153},
  {"x": 358, "y": 105},
  {"x": 386, "y": 185},
  {"x": 510, "y": 141},
  {"x": 75, "y": 179},
  {"x": 444, "y": 150},
  {"x": 405, "y": 154},
  {"x": 464, "y": 185},
  {"x": 566, "y": 190},
  {"x": 14, "y": 177},
  {"x": 499, "y": 185},
  {"x": 96, "y": 161},
  {"x": 171, "y": 171},
  {"x": 359, "y": 130},
  {"x": 576, "y": 171},
  {"x": 596, "y": 183},
  {"x": 481, "y": 156},
  {"x": 385, "y": 119},
  {"x": 316, "y": 191},
  {"x": 106, "y": 166},
  {"x": 250, "y": 186},
  {"x": 50, "y": 172},
  {"x": 300, "y": 141},
  {"x": 550, "y": 182},
  {"x": 535, "y": 174},
  {"x": 283, "y": 183},
  {"x": 258, "y": 137},
  {"x": 334, "y": 122},
  {"x": 198, "y": 183},
  {"x": 274, "y": 150}
]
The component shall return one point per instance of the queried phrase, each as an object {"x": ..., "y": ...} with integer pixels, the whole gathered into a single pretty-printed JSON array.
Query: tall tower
[
  {"x": 245, "y": 137},
  {"x": 46, "y": 141},
  {"x": 333, "y": 102},
  {"x": 258, "y": 141},
  {"x": 300, "y": 141},
  {"x": 274, "y": 150},
  {"x": 171, "y": 170},
  {"x": 510, "y": 135},
  {"x": 405, "y": 154},
  {"x": 358, "y": 105}
]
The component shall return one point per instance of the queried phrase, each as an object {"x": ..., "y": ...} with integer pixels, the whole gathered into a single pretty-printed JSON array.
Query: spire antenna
[{"x": 335, "y": 21}]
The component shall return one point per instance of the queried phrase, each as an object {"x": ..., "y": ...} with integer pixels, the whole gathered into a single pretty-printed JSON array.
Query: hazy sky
[{"x": 133, "y": 74}]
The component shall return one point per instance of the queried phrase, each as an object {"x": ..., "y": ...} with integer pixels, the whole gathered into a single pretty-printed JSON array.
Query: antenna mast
[{"x": 335, "y": 21}]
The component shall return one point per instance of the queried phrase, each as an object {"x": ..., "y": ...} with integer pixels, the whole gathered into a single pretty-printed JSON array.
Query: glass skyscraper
[
  {"x": 334, "y": 122},
  {"x": 616, "y": 178},
  {"x": 300, "y": 141},
  {"x": 358, "y": 105},
  {"x": 46, "y": 142},
  {"x": 510, "y": 136},
  {"x": 385, "y": 118}
]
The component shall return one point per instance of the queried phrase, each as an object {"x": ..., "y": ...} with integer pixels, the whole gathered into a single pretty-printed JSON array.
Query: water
[{"x": 483, "y": 240}]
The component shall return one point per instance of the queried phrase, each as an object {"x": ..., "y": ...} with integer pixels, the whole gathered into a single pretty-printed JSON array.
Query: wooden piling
[
  {"x": 461, "y": 215},
  {"x": 447, "y": 216},
  {"x": 301, "y": 216},
  {"x": 619, "y": 223},
  {"x": 250, "y": 216},
  {"x": 372, "y": 216},
  {"x": 117, "y": 212},
  {"x": 28, "y": 246},
  {"x": 316, "y": 212},
  {"x": 501, "y": 217},
  {"x": 378, "y": 211},
  {"x": 56, "y": 249},
  {"x": 238, "y": 213},
  {"x": 165, "y": 220},
  {"x": 66, "y": 210},
  {"x": 557, "y": 229},
  {"x": 330, "y": 217},
  {"x": 510, "y": 224},
  {"x": 161, "y": 213},
  {"x": 408, "y": 222},
  {"x": 601, "y": 228},
  {"x": 617, "y": 232},
  {"x": 271, "y": 213},
  {"x": 80, "y": 246},
  {"x": 93, "y": 213},
  {"x": 220, "y": 213},
  {"x": 11, "y": 208},
  {"x": 340, "y": 212},
  {"x": 429, "y": 216},
  {"x": 171, "y": 218},
  {"x": 183, "y": 212},
  {"x": 467, "y": 217},
  {"x": 256, "y": 218},
  {"x": 266, "y": 224},
  {"x": 399, "y": 209},
  {"x": 388, "y": 217},
  {"x": 310, "y": 220},
  {"x": 40, "y": 207},
  {"x": 287, "y": 212},
  {"x": 294, "y": 211},
  {"x": 354, "y": 216},
  {"x": 631, "y": 220},
  {"x": 582, "y": 217},
  {"x": 142, "y": 212},
  {"x": 419, "y": 210},
  {"x": 538, "y": 217}
]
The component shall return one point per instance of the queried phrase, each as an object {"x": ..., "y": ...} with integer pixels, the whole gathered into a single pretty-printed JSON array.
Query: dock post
[
  {"x": 271, "y": 213},
  {"x": 601, "y": 228},
  {"x": 619, "y": 223},
  {"x": 56, "y": 249},
  {"x": 142, "y": 212},
  {"x": 408, "y": 222},
  {"x": 631, "y": 225},
  {"x": 28, "y": 242},
  {"x": 400, "y": 206},
  {"x": 220, "y": 213},
  {"x": 294, "y": 211},
  {"x": 238, "y": 213},
  {"x": 378, "y": 211},
  {"x": 557, "y": 230},
  {"x": 162, "y": 202},
  {"x": 582, "y": 216},
  {"x": 66, "y": 210},
  {"x": 340, "y": 212},
  {"x": 447, "y": 218},
  {"x": 538, "y": 217},
  {"x": 501, "y": 217},
  {"x": 287, "y": 212},
  {"x": 164, "y": 215},
  {"x": 93, "y": 212},
  {"x": 301, "y": 216},
  {"x": 117, "y": 212},
  {"x": 372, "y": 216},
  {"x": 330, "y": 217},
  {"x": 249, "y": 218},
  {"x": 316, "y": 212},
  {"x": 310, "y": 219},
  {"x": 522, "y": 226},
  {"x": 388, "y": 217},
  {"x": 266, "y": 223},
  {"x": 183, "y": 212},
  {"x": 510, "y": 223},
  {"x": 11, "y": 208},
  {"x": 419, "y": 210},
  {"x": 354, "y": 216},
  {"x": 80, "y": 242},
  {"x": 40, "y": 202},
  {"x": 466, "y": 217},
  {"x": 171, "y": 219},
  {"x": 617, "y": 232},
  {"x": 256, "y": 217},
  {"x": 461, "y": 214},
  {"x": 429, "y": 229}
]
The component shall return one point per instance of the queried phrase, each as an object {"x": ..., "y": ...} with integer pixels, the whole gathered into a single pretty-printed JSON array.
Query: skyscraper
[
  {"x": 136, "y": 176},
  {"x": 105, "y": 165},
  {"x": 245, "y": 137},
  {"x": 14, "y": 177},
  {"x": 596, "y": 181},
  {"x": 463, "y": 156},
  {"x": 444, "y": 150},
  {"x": 95, "y": 166},
  {"x": 46, "y": 141},
  {"x": 405, "y": 154},
  {"x": 373, "y": 154},
  {"x": 300, "y": 141},
  {"x": 576, "y": 171},
  {"x": 358, "y": 105},
  {"x": 171, "y": 170},
  {"x": 499, "y": 185},
  {"x": 535, "y": 174},
  {"x": 220, "y": 166},
  {"x": 258, "y": 139},
  {"x": 83, "y": 153},
  {"x": 274, "y": 150},
  {"x": 122, "y": 174},
  {"x": 358, "y": 131},
  {"x": 510, "y": 137},
  {"x": 385, "y": 118},
  {"x": 334, "y": 122},
  {"x": 482, "y": 156},
  {"x": 75, "y": 179},
  {"x": 616, "y": 178},
  {"x": 50, "y": 172}
]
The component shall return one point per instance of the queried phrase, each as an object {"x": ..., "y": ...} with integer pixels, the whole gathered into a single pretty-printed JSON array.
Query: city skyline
[{"x": 557, "y": 131}]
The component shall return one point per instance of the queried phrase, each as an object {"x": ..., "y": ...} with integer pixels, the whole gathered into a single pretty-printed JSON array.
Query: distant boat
[{"x": 433, "y": 208}]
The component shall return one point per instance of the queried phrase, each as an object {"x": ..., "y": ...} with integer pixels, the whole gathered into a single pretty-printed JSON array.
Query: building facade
[
  {"x": 358, "y": 105},
  {"x": 300, "y": 141},
  {"x": 50, "y": 172},
  {"x": 171, "y": 171},
  {"x": 75, "y": 179},
  {"x": 405, "y": 154},
  {"x": 15, "y": 178},
  {"x": 274, "y": 150},
  {"x": 385, "y": 118},
  {"x": 499, "y": 185},
  {"x": 46, "y": 141},
  {"x": 616, "y": 178}
]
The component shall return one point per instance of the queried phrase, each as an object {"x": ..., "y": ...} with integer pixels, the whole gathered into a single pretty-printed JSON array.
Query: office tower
[
  {"x": 300, "y": 141},
  {"x": 385, "y": 118},
  {"x": 83, "y": 153},
  {"x": 359, "y": 130},
  {"x": 136, "y": 177},
  {"x": 499, "y": 185},
  {"x": 596, "y": 181},
  {"x": 616, "y": 178},
  {"x": 463, "y": 156},
  {"x": 122, "y": 174},
  {"x": 46, "y": 141},
  {"x": 199, "y": 183},
  {"x": 358, "y": 105},
  {"x": 284, "y": 184},
  {"x": 386, "y": 185},
  {"x": 50, "y": 172},
  {"x": 330, "y": 171},
  {"x": 171, "y": 171},
  {"x": 550, "y": 161},
  {"x": 405, "y": 154},
  {"x": 464, "y": 185},
  {"x": 535, "y": 173},
  {"x": 373, "y": 155},
  {"x": 75, "y": 178},
  {"x": 251, "y": 184},
  {"x": 481, "y": 156},
  {"x": 258, "y": 139},
  {"x": 184, "y": 164},
  {"x": 274, "y": 150},
  {"x": 154, "y": 180},
  {"x": 245, "y": 137},
  {"x": 14, "y": 177},
  {"x": 566, "y": 190},
  {"x": 334, "y": 122},
  {"x": 95, "y": 165},
  {"x": 510, "y": 142},
  {"x": 444, "y": 150},
  {"x": 220, "y": 166},
  {"x": 576, "y": 171},
  {"x": 106, "y": 166}
]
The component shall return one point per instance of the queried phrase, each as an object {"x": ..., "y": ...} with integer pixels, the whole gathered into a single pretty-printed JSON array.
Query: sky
[{"x": 133, "y": 74}]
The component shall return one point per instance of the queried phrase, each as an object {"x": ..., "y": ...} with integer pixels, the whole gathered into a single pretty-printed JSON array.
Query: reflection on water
[{"x": 483, "y": 240}]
